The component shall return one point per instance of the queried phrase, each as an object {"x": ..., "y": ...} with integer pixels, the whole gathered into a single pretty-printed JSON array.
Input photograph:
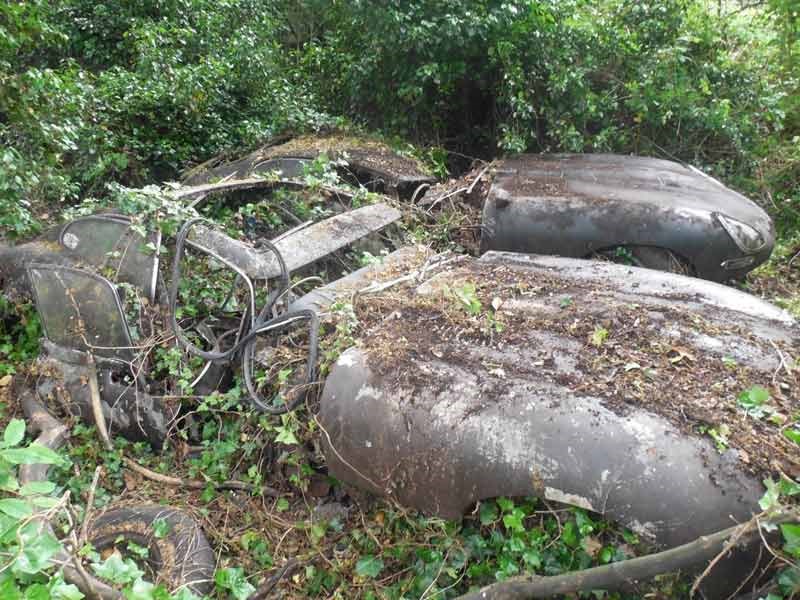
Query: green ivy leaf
[
  {"x": 754, "y": 397},
  {"x": 37, "y": 552},
  {"x": 37, "y": 487},
  {"x": 14, "y": 433},
  {"x": 599, "y": 335},
  {"x": 37, "y": 591},
  {"x": 791, "y": 537},
  {"x": 505, "y": 504},
  {"x": 789, "y": 581},
  {"x": 14, "y": 507},
  {"x": 32, "y": 455},
  {"x": 8, "y": 482},
  {"x": 570, "y": 534},
  {"x": 161, "y": 528},
  {"x": 369, "y": 566},
  {"x": 233, "y": 580},
  {"x": 285, "y": 436},
  {"x": 488, "y": 513},
  {"x": 532, "y": 558},
  {"x": 59, "y": 590},
  {"x": 117, "y": 570},
  {"x": 44, "y": 501},
  {"x": 184, "y": 594},
  {"x": 793, "y": 435},
  {"x": 142, "y": 590},
  {"x": 9, "y": 590},
  {"x": 513, "y": 520},
  {"x": 770, "y": 499},
  {"x": 789, "y": 487}
]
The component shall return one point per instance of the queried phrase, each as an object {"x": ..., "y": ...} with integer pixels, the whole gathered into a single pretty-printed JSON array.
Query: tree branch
[{"x": 616, "y": 575}]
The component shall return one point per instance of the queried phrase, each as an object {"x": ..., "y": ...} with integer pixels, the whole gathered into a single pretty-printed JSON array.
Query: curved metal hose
[{"x": 262, "y": 323}]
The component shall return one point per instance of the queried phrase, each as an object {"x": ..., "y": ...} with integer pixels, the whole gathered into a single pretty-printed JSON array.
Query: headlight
[{"x": 745, "y": 237}]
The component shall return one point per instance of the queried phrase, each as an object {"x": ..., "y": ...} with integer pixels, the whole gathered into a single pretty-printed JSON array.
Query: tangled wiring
[{"x": 268, "y": 320}]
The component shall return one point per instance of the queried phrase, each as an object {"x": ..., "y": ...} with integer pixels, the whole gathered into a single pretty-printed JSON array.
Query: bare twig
[
  {"x": 478, "y": 178},
  {"x": 195, "y": 484},
  {"x": 783, "y": 362},
  {"x": 342, "y": 458},
  {"x": 87, "y": 514},
  {"x": 445, "y": 197},
  {"x": 734, "y": 539},
  {"x": 97, "y": 407},
  {"x": 264, "y": 590}
]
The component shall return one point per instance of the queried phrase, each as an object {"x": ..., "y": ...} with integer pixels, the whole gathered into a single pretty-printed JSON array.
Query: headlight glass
[{"x": 745, "y": 237}]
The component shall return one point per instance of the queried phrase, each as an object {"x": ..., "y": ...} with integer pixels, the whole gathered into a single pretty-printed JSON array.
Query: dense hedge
[{"x": 133, "y": 91}]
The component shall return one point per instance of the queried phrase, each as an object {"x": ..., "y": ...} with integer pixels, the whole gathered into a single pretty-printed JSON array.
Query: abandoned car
[
  {"x": 647, "y": 212},
  {"x": 469, "y": 378},
  {"x": 95, "y": 282},
  {"x": 654, "y": 213},
  {"x": 598, "y": 385},
  {"x": 358, "y": 160}
]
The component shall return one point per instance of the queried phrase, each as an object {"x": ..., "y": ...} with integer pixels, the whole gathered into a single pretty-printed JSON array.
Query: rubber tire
[{"x": 183, "y": 557}]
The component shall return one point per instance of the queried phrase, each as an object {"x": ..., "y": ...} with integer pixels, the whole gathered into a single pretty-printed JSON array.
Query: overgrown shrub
[
  {"x": 92, "y": 92},
  {"x": 131, "y": 92},
  {"x": 657, "y": 77}
]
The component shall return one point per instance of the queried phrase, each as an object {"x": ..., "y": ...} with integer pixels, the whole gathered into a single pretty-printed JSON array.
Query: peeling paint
[
  {"x": 347, "y": 359},
  {"x": 557, "y": 495}
]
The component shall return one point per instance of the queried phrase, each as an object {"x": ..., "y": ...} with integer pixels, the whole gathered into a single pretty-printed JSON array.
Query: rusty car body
[
  {"x": 471, "y": 378},
  {"x": 82, "y": 274},
  {"x": 358, "y": 160},
  {"x": 598, "y": 391},
  {"x": 649, "y": 212},
  {"x": 660, "y": 214}
]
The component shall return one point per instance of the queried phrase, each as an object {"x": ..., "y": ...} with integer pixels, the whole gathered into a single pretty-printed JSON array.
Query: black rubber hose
[
  {"x": 246, "y": 343},
  {"x": 313, "y": 346}
]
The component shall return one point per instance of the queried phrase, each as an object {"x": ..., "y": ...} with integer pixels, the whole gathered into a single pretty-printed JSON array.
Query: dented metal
[
  {"x": 371, "y": 164},
  {"x": 577, "y": 205},
  {"x": 103, "y": 242},
  {"x": 301, "y": 248},
  {"x": 456, "y": 422}
]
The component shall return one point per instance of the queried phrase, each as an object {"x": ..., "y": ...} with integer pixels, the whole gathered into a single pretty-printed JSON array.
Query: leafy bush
[
  {"x": 107, "y": 92},
  {"x": 577, "y": 75}
]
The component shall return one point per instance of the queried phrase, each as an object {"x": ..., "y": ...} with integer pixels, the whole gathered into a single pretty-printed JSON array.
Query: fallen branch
[
  {"x": 616, "y": 575},
  {"x": 97, "y": 407},
  {"x": 266, "y": 588},
  {"x": 478, "y": 178},
  {"x": 87, "y": 514},
  {"x": 195, "y": 484}
]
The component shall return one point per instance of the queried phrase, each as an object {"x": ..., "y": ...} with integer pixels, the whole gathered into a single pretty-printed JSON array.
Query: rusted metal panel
[
  {"x": 109, "y": 241},
  {"x": 437, "y": 420},
  {"x": 301, "y": 248},
  {"x": 320, "y": 299},
  {"x": 81, "y": 311},
  {"x": 368, "y": 162},
  {"x": 575, "y": 205},
  {"x": 104, "y": 242}
]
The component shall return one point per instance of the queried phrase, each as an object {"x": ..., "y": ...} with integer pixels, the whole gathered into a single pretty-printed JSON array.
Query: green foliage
[
  {"x": 20, "y": 330},
  {"x": 25, "y": 548},
  {"x": 574, "y": 76},
  {"x": 233, "y": 581},
  {"x": 101, "y": 92},
  {"x": 507, "y": 537},
  {"x": 95, "y": 93},
  {"x": 779, "y": 493},
  {"x": 468, "y": 298},
  {"x": 754, "y": 401}
]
